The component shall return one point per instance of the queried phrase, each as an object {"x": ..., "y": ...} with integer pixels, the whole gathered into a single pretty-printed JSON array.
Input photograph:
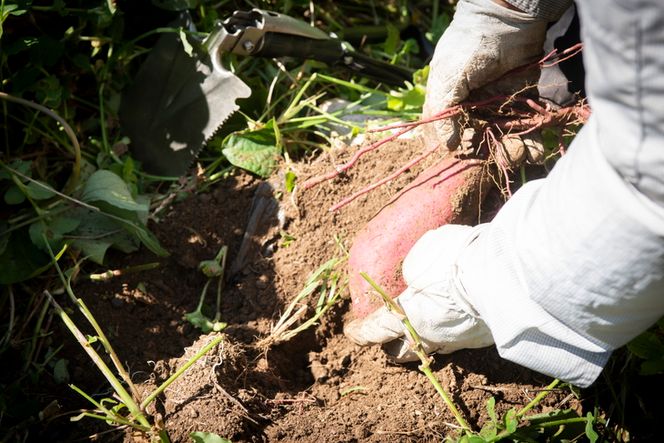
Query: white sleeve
[{"x": 571, "y": 268}]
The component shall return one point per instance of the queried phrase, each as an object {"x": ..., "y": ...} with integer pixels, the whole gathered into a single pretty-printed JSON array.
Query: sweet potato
[{"x": 448, "y": 192}]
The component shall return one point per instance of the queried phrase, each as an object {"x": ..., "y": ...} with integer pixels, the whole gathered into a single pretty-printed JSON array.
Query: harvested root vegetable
[{"x": 448, "y": 192}]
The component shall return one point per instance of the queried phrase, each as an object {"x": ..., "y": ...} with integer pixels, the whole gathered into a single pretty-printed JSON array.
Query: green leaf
[
  {"x": 200, "y": 321},
  {"x": 14, "y": 195},
  {"x": 410, "y": 99},
  {"x": 647, "y": 346},
  {"x": 491, "y": 409},
  {"x": 150, "y": 241},
  {"x": 54, "y": 230},
  {"x": 38, "y": 190},
  {"x": 511, "y": 422},
  {"x": 6, "y": 10},
  {"x": 256, "y": 151},
  {"x": 107, "y": 187},
  {"x": 188, "y": 49},
  {"x": 95, "y": 250},
  {"x": 98, "y": 232},
  {"x": 290, "y": 180},
  {"x": 590, "y": 431},
  {"x": 207, "y": 437}
]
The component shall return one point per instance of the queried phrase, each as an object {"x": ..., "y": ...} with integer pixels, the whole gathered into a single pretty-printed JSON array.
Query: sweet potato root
[{"x": 448, "y": 192}]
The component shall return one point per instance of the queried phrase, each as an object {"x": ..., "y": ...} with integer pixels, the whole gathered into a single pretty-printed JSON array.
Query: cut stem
[
  {"x": 127, "y": 399},
  {"x": 418, "y": 348}
]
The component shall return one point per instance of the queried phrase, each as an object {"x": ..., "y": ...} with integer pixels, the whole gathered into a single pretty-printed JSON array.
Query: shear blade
[{"x": 177, "y": 102}]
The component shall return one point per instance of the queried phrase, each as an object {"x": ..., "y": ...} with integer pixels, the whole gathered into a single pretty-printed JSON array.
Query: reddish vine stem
[
  {"x": 332, "y": 174},
  {"x": 381, "y": 182},
  {"x": 515, "y": 127},
  {"x": 547, "y": 118}
]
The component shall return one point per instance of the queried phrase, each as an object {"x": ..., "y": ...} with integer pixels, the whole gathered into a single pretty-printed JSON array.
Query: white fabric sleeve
[{"x": 572, "y": 267}]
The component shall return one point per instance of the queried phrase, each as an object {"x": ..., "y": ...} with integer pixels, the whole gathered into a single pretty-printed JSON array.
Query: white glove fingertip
[{"x": 378, "y": 327}]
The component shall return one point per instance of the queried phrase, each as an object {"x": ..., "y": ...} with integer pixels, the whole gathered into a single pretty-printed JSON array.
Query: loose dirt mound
[{"x": 315, "y": 387}]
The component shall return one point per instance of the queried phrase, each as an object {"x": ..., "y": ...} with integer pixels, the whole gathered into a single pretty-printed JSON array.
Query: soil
[{"x": 315, "y": 387}]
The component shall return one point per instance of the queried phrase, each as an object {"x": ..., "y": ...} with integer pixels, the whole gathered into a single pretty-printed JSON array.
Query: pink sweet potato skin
[{"x": 448, "y": 192}]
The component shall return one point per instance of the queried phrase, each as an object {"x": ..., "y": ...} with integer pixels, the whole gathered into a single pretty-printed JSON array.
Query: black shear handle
[{"x": 333, "y": 52}]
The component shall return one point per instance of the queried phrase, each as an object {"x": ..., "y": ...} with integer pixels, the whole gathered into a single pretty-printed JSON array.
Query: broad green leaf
[
  {"x": 107, "y": 187},
  {"x": 256, "y": 151},
  {"x": 150, "y": 241},
  {"x": 54, "y": 230},
  {"x": 38, "y": 190},
  {"x": 14, "y": 195},
  {"x": 647, "y": 346},
  {"x": 97, "y": 232},
  {"x": 95, "y": 250},
  {"x": 207, "y": 437}
]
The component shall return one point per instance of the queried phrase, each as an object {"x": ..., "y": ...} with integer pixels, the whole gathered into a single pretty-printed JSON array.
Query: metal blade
[{"x": 177, "y": 102}]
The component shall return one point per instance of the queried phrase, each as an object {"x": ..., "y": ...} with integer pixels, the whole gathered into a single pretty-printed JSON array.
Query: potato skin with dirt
[{"x": 448, "y": 192}]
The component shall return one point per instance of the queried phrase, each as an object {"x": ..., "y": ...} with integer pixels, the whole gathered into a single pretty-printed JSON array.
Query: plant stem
[
  {"x": 105, "y": 276},
  {"x": 221, "y": 257},
  {"x": 150, "y": 398},
  {"x": 126, "y": 398},
  {"x": 425, "y": 367},
  {"x": 546, "y": 391},
  {"x": 76, "y": 169},
  {"x": 108, "y": 348},
  {"x": 90, "y": 318}
]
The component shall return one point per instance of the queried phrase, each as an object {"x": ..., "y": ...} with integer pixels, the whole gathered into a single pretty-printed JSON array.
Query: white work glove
[
  {"x": 483, "y": 43},
  {"x": 434, "y": 302}
]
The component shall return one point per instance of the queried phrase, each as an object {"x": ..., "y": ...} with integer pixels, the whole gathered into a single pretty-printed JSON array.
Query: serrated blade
[{"x": 177, "y": 102}]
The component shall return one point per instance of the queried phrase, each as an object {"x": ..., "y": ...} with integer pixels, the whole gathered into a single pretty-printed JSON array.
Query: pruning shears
[{"x": 178, "y": 101}]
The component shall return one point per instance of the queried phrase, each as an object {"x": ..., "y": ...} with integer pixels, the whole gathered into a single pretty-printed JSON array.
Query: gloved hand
[
  {"x": 435, "y": 302},
  {"x": 483, "y": 42}
]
